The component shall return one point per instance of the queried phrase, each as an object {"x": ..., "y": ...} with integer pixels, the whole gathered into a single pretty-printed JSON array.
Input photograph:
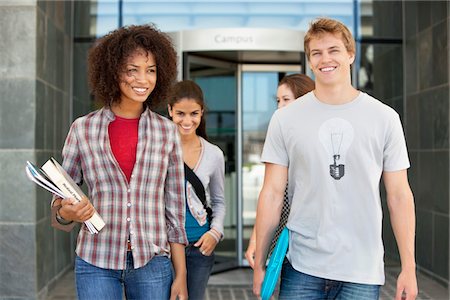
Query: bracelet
[
  {"x": 61, "y": 220},
  {"x": 213, "y": 235},
  {"x": 217, "y": 233}
]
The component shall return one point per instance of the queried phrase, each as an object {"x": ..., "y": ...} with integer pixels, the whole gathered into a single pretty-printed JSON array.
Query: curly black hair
[{"x": 106, "y": 60}]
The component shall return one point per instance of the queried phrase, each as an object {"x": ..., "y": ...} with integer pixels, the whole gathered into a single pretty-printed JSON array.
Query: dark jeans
[
  {"x": 153, "y": 281},
  {"x": 198, "y": 270},
  {"x": 296, "y": 285}
]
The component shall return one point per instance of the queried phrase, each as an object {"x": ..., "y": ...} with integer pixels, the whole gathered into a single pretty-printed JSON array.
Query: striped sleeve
[{"x": 174, "y": 193}]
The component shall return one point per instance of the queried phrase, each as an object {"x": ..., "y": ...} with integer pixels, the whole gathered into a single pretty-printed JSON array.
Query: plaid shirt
[{"x": 150, "y": 208}]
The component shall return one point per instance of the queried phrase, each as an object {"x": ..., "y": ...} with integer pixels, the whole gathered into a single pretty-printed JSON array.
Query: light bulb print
[{"x": 336, "y": 135}]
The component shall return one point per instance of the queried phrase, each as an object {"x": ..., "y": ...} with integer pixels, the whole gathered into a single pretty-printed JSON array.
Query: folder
[{"x": 273, "y": 269}]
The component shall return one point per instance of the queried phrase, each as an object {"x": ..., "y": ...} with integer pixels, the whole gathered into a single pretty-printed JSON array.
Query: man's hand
[
  {"x": 406, "y": 286},
  {"x": 258, "y": 278},
  {"x": 400, "y": 202},
  {"x": 206, "y": 244},
  {"x": 250, "y": 253},
  {"x": 72, "y": 210},
  {"x": 270, "y": 203}
]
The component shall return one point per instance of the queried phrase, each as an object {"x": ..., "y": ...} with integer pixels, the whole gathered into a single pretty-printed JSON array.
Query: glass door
[
  {"x": 240, "y": 99},
  {"x": 259, "y": 89},
  {"x": 218, "y": 80}
]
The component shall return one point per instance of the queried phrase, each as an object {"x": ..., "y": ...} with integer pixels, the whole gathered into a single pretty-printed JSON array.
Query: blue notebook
[{"x": 274, "y": 267}]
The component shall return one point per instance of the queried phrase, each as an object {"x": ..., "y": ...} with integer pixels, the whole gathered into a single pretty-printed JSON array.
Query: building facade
[{"x": 404, "y": 61}]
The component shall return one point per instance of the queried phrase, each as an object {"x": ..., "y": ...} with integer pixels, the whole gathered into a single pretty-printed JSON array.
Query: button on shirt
[{"x": 156, "y": 189}]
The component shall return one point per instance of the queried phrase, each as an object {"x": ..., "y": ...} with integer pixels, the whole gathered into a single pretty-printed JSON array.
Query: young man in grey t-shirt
[{"x": 334, "y": 146}]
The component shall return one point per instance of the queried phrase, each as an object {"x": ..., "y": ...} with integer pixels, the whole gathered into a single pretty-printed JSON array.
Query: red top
[{"x": 123, "y": 138}]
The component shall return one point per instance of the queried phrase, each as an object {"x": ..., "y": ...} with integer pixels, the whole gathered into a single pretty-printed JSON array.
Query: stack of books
[{"x": 55, "y": 179}]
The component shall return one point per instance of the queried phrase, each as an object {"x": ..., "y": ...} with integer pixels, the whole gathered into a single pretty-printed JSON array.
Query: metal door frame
[{"x": 191, "y": 57}]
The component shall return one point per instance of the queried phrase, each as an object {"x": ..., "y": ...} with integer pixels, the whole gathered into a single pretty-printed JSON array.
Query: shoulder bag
[{"x": 198, "y": 188}]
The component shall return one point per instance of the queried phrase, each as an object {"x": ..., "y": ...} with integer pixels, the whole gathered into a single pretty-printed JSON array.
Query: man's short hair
[{"x": 321, "y": 26}]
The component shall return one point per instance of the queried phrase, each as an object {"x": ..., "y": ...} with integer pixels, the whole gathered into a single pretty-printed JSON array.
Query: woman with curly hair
[{"x": 131, "y": 161}]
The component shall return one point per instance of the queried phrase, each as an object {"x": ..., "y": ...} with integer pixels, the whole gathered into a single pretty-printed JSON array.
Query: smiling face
[
  {"x": 329, "y": 59},
  {"x": 138, "y": 78},
  {"x": 187, "y": 114},
  {"x": 285, "y": 96}
]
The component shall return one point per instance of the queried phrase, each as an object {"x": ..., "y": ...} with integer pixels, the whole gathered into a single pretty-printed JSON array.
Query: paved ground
[
  {"x": 236, "y": 285},
  {"x": 226, "y": 286}
]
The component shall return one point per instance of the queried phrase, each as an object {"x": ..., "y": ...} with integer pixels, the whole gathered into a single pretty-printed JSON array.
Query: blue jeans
[
  {"x": 297, "y": 285},
  {"x": 198, "y": 270},
  {"x": 153, "y": 281}
]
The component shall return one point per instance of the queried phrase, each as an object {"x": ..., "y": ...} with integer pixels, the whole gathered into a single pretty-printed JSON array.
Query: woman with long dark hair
[{"x": 204, "y": 172}]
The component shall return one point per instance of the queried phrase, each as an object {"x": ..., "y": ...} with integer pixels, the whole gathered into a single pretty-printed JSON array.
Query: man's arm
[
  {"x": 270, "y": 203},
  {"x": 400, "y": 201}
]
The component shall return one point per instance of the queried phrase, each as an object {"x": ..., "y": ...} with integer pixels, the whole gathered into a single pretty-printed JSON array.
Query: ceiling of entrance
[{"x": 254, "y": 57}]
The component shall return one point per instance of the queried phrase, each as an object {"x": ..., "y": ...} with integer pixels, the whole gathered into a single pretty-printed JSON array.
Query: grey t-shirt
[{"x": 336, "y": 155}]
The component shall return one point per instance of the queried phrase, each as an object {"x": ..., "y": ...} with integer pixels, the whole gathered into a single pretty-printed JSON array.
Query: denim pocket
[{"x": 160, "y": 264}]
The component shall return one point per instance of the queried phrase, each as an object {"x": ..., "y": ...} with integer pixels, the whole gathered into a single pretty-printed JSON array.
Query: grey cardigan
[{"x": 210, "y": 169}]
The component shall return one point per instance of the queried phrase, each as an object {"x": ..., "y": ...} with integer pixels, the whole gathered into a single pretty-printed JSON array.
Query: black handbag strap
[{"x": 198, "y": 188}]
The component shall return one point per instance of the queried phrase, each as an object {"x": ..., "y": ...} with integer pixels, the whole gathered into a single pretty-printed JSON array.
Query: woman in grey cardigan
[{"x": 205, "y": 208}]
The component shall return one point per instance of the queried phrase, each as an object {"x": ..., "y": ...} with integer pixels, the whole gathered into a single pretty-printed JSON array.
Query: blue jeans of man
[
  {"x": 297, "y": 285},
  {"x": 152, "y": 281},
  {"x": 198, "y": 270}
]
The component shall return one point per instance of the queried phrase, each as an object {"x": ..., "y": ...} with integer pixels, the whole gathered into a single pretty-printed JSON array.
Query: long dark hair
[{"x": 191, "y": 90}]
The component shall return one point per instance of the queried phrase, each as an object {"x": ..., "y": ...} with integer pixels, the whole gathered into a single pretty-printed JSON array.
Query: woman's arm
[
  {"x": 179, "y": 285},
  {"x": 63, "y": 213},
  {"x": 217, "y": 193},
  {"x": 250, "y": 253},
  {"x": 208, "y": 241},
  {"x": 174, "y": 196}
]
